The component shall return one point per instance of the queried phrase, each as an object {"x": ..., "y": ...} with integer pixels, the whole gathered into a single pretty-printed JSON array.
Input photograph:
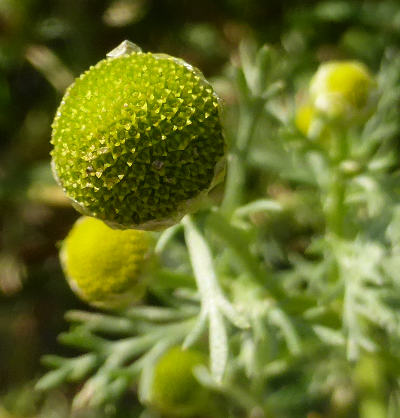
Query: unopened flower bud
[{"x": 343, "y": 89}]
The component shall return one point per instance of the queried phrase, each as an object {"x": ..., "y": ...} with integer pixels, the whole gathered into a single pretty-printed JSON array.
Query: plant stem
[
  {"x": 335, "y": 197},
  {"x": 334, "y": 206},
  {"x": 335, "y": 210},
  {"x": 236, "y": 176}
]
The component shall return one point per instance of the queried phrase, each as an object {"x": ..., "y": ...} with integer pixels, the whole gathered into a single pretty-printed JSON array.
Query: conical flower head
[
  {"x": 106, "y": 267},
  {"x": 138, "y": 140}
]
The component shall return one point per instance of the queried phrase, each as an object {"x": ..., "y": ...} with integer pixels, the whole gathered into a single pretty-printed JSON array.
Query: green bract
[
  {"x": 138, "y": 140},
  {"x": 105, "y": 266},
  {"x": 175, "y": 390}
]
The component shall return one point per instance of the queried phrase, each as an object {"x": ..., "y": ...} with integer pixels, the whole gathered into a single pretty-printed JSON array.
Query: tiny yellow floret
[{"x": 104, "y": 266}]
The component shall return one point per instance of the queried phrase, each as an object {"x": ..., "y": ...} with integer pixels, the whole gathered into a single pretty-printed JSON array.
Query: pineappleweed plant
[{"x": 285, "y": 292}]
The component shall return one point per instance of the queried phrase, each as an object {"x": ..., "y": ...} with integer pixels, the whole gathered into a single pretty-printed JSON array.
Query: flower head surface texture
[
  {"x": 138, "y": 141},
  {"x": 343, "y": 89},
  {"x": 104, "y": 266},
  {"x": 175, "y": 390}
]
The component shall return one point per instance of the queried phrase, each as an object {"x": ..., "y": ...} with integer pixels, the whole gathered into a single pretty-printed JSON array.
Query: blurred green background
[{"x": 44, "y": 44}]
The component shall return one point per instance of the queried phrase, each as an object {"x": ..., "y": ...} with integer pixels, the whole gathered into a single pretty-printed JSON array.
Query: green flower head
[
  {"x": 175, "y": 390},
  {"x": 138, "y": 141},
  {"x": 105, "y": 266}
]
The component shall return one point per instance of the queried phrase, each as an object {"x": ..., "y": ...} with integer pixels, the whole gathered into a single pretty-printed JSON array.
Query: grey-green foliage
[{"x": 297, "y": 275}]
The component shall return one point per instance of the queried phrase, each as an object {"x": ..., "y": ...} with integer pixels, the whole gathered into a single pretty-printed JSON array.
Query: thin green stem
[
  {"x": 334, "y": 205},
  {"x": 335, "y": 211},
  {"x": 236, "y": 176},
  {"x": 336, "y": 193}
]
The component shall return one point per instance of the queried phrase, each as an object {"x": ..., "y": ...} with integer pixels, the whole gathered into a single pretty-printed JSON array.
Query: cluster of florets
[
  {"x": 342, "y": 88},
  {"x": 106, "y": 267},
  {"x": 138, "y": 140},
  {"x": 339, "y": 91}
]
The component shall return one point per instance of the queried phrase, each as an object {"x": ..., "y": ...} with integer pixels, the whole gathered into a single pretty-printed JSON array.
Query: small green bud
[
  {"x": 104, "y": 266},
  {"x": 175, "y": 390},
  {"x": 138, "y": 140},
  {"x": 343, "y": 89}
]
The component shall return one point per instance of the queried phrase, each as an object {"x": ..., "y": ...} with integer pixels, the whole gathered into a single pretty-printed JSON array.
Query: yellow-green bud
[
  {"x": 175, "y": 391},
  {"x": 138, "y": 140},
  {"x": 104, "y": 266},
  {"x": 343, "y": 89}
]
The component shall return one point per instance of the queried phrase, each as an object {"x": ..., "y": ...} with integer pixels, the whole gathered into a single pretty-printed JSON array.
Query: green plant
[{"x": 296, "y": 276}]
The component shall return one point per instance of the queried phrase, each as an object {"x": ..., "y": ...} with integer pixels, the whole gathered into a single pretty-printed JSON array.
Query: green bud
[
  {"x": 138, "y": 140},
  {"x": 104, "y": 266},
  {"x": 175, "y": 390}
]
